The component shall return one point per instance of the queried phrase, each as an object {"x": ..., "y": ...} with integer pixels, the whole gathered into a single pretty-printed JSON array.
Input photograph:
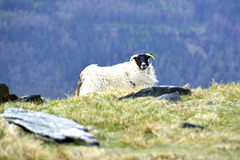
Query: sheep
[{"x": 135, "y": 73}]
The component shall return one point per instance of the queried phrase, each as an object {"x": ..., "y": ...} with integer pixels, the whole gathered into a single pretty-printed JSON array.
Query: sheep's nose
[{"x": 143, "y": 66}]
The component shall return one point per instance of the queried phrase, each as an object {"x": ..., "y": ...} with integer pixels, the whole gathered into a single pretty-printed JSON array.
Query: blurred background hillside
[{"x": 44, "y": 45}]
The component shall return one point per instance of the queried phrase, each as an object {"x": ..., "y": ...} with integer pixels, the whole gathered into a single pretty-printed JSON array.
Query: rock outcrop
[
  {"x": 192, "y": 125},
  {"x": 50, "y": 127},
  {"x": 4, "y": 93},
  {"x": 5, "y": 96},
  {"x": 169, "y": 96},
  {"x": 157, "y": 91}
]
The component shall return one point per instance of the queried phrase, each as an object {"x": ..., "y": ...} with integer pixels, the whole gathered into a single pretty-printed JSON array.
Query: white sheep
[{"x": 135, "y": 73}]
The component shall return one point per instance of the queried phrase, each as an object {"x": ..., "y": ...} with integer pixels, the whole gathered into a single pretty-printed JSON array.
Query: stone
[
  {"x": 192, "y": 125},
  {"x": 157, "y": 91},
  {"x": 49, "y": 126},
  {"x": 13, "y": 97},
  {"x": 5, "y": 96},
  {"x": 4, "y": 93},
  {"x": 97, "y": 99},
  {"x": 169, "y": 96},
  {"x": 208, "y": 103},
  {"x": 64, "y": 106},
  {"x": 31, "y": 98}
]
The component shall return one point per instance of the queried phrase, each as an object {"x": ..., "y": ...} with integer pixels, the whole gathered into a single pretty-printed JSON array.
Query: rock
[
  {"x": 192, "y": 125},
  {"x": 208, "y": 103},
  {"x": 48, "y": 126},
  {"x": 5, "y": 96},
  {"x": 66, "y": 105},
  {"x": 4, "y": 93},
  {"x": 157, "y": 91},
  {"x": 31, "y": 98},
  {"x": 169, "y": 96},
  {"x": 13, "y": 97},
  {"x": 97, "y": 99}
]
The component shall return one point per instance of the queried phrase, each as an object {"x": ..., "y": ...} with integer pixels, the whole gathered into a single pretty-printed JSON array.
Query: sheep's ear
[
  {"x": 133, "y": 57},
  {"x": 150, "y": 55}
]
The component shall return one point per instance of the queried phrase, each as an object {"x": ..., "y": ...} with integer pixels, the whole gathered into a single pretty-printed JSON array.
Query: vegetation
[
  {"x": 44, "y": 45},
  {"x": 137, "y": 128}
]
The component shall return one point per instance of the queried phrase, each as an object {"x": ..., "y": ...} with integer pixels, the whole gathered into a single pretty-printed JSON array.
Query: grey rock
[
  {"x": 5, "y": 96},
  {"x": 69, "y": 105},
  {"x": 13, "y": 97},
  {"x": 208, "y": 103},
  {"x": 169, "y": 96},
  {"x": 64, "y": 106},
  {"x": 97, "y": 99},
  {"x": 156, "y": 91},
  {"x": 49, "y": 126},
  {"x": 192, "y": 125},
  {"x": 31, "y": 98}
]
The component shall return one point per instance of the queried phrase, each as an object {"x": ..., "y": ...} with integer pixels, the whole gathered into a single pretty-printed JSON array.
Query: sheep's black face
[{"x": 142, "y": 61}]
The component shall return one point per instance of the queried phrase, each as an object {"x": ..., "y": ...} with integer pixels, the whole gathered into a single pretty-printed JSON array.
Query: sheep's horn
[{"x": 150, "y": 55}]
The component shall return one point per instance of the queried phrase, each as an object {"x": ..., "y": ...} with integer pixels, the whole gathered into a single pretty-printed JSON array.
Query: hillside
[
  {"x": 44, "y": 45},
  {"x": 137, "y": 128}
]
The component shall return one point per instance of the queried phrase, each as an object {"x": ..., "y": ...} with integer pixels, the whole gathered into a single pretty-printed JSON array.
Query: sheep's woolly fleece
[{"x": 124, "y": 75}]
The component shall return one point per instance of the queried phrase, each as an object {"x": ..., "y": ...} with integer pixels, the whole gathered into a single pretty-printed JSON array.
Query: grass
[{"x": 137, "y": 128}]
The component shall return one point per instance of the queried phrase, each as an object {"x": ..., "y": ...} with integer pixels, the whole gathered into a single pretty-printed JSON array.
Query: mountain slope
[{"x": 45, "y": 45}]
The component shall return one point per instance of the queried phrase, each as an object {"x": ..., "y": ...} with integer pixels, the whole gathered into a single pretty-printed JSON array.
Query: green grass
[{"x": 137, "y": 128}]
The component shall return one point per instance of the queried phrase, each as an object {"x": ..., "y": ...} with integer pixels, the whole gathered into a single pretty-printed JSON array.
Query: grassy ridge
[{"x": 138, "y": 128}]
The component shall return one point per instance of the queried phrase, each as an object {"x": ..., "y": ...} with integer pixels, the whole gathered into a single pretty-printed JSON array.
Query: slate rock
[
  {"x": 169, "y": 96},
  {"x": 31, "y": 98},
  {"x": 208, "y": 103},
  {"x": 5, "y": 96},
  {"x": 157, "y": 91},
  {"x": 60, "y": 130},
  {"x": 98, "y": 99},
  {"x": 192, "y": 125},
  {"x": 4, "y": 93},
  {"x": 13, "y": 97},
  {"x": 64, "y": 106}
]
